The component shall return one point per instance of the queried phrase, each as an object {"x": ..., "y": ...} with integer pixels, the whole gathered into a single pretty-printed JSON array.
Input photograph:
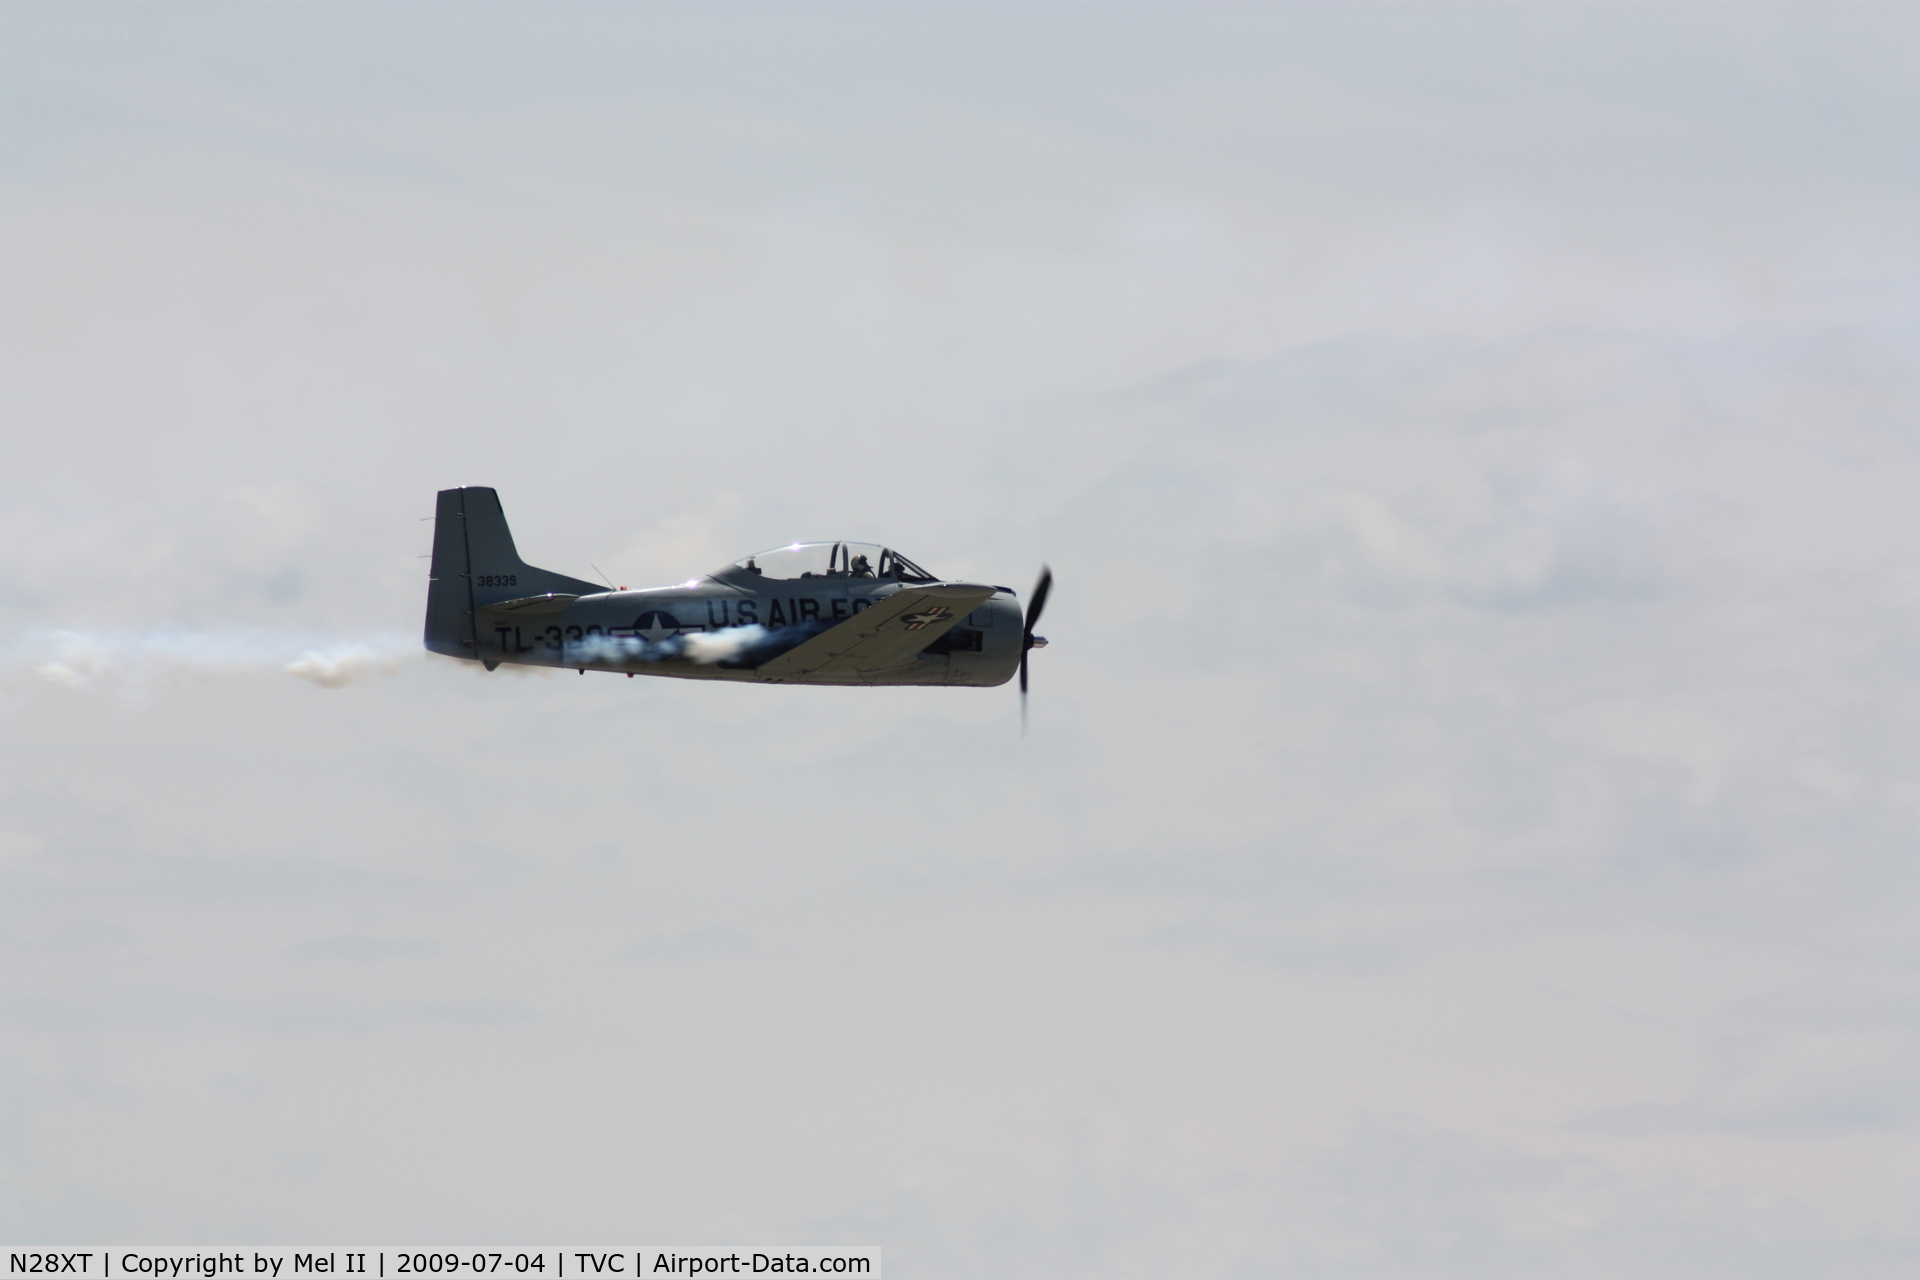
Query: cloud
[
  {"x": 1466, "y": 828},
  {"x": 713, "y": 940},
  {"x": 1390, "y": 1197},
  {"x": 354, "y": 947}
]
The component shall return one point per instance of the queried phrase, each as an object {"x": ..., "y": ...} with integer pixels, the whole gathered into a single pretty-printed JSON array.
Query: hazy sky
[{"x": 1468, "y": 824}]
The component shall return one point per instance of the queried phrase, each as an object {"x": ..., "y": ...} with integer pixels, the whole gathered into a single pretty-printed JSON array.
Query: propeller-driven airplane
[{"x": 842, "y": 613}]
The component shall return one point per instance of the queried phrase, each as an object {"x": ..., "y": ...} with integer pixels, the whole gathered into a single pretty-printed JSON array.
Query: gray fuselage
[{"x": 598, "y": 632}]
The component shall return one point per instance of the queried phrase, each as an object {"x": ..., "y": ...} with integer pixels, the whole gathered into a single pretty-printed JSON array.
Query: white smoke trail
[
  {"x": 703, "y": 647},
  {"x": 709, "y": 647},
  {"x": 128, "y": 659},
  {"x": 337, "y": 667}
]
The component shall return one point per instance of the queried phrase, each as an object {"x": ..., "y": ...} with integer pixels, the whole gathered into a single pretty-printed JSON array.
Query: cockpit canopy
[{"x": 865, "y": 561}]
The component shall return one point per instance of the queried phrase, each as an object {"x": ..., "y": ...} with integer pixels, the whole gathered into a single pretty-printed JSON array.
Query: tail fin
[{"x": 475, "y": 564}]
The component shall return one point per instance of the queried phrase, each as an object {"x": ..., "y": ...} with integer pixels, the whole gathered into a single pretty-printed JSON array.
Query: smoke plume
[
  {"x": 133, "y": 659},
  {"x": 727, "y": 646},
  {"x": 130, "y": 660}
]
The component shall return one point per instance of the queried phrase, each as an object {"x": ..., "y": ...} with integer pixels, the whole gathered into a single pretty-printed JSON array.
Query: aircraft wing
[{"x": 886, "y": 635}]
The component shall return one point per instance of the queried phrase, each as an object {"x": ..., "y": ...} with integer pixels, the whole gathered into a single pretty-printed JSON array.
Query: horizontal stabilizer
[{"x": 551, "y": 602}]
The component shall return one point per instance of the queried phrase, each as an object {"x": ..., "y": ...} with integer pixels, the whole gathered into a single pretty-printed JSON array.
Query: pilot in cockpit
[{"x": 861, "y": 569}]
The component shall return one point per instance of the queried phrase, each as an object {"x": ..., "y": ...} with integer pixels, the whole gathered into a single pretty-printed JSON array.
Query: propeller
[{"x": 1035, "y": 604}]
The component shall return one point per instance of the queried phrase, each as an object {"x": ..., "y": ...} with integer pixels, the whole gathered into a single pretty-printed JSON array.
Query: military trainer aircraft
[{"x": 843, "y": 613}]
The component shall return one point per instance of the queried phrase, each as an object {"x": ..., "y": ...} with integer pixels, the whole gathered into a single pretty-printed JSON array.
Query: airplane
[{"x": 829, "y": 613}]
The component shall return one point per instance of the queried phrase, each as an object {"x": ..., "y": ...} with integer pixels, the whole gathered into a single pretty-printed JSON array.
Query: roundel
[{"x": 656, "y": 624}]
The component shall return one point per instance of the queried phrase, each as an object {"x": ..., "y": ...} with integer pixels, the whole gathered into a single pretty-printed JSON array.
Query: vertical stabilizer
[{"x": 474, "y": 565}]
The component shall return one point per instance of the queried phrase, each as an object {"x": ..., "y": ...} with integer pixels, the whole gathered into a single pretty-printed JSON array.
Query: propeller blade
[
  {"x": 1035, "y": 604},
  {"x": 1023, "y": 693}
]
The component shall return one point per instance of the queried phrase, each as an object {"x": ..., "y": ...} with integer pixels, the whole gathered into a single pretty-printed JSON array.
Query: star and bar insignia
[{"x": 918, "y": 621}]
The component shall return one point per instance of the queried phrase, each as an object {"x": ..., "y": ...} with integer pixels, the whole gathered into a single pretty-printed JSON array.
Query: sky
[{"x": 1467, "y": 825}]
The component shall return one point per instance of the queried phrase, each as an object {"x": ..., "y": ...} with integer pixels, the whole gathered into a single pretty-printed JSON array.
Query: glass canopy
[{"x": 857, "y": 560}]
